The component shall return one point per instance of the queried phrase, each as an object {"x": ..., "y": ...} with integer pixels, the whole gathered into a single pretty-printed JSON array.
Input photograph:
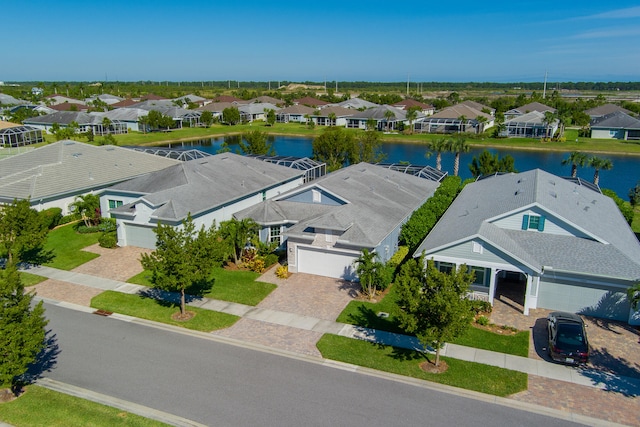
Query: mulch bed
[
  {"x": 179, "y": 317},
  {"x": 431, "y": 368}
]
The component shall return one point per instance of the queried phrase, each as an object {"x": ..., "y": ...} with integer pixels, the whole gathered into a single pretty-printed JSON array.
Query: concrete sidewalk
[{"x": 576, "y": 375}]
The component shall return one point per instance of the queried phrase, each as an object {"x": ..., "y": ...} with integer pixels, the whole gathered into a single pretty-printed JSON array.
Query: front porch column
[
  {"x": 526, "y": 295},
  {"x": 492, "y": 284}
]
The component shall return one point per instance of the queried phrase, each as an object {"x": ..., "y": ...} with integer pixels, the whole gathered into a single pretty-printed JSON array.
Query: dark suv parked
[{"x": 567, "y": 338}]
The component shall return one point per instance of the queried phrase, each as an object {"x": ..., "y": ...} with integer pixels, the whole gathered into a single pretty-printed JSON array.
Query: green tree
[
  {"x": 482, "y": 120},
  {"x": 231, "y": 116},
  {"x": 438, "y": 146},
  {"x": 388, "y": 117},
  {"x": 22, "y": 328},
  {"x": 488, "y": 163},
  {"x": 412, "y": 114},
  {"x": 332, "y": 118},
  {"x": 633, "y": 293},
  {"x": 598, "y": 164},
  {"x": 183, "y": 257},
  {"x": 432, "y": 303},
  {"x": 457, "y": 146},
  {"x": 236, "y": 233},
  {"x": 22, "y": 232},
  {"x": 369, "y": 147},
  {"x": 625, "y": 207},
  {"x": 257, "y": 142},
  {"x": 270, "y": 116},
  {"x": 106, "y": 125},
  {"x": 336, "y": 147},
  {"x": 87, "y": 205},
  {"x": 575, "y": 159},
  {"x": 634, "y": 195},
  {"x": 462, "y": 127},
  {"x": 206, "y": 118},
  {"x": 368, "y": 267},
  {"x": 548, "y": 120}
]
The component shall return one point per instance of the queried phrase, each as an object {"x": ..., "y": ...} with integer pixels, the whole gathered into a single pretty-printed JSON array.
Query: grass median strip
[
  {"x": 42, "y": 407},
  {"x": 228, "y": 285},
  {"x": 150, "y": 309},
  {"x": 468, "y": 375}
]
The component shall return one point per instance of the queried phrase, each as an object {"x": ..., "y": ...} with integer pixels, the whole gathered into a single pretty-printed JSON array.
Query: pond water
[{"x": 624, "y": 175}]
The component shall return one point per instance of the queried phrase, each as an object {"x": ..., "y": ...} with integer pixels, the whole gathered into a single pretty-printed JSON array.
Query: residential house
[
  {"x": 543, "y": 241},
  {"x": 456, "y": 119},
  {"x": 267, "y": 100},
  {"x": 85, "y": 121},
  {"x": 255, "y": 111},
  {"x": 104, "y": 97},
  {"x": 294, "y": 113},
  {"x": 530, "y": 125},
  {"x": 55, "y": 174},
  {"x": 528, "y": 108},
  {"x": 332, "y": 116},
  {"x": 310, "y": 102},
  {"x": 60, "y": 99},
  {"x": 480, "y": 107},
  {"x": 16, "y": 135},
  {"x": 10, "y": 100},
  {"x": 603, "y": 110},
  {"x": 326, "y": 223},
  {"x": 385, "y": 117},
  {"x": 423, "y": 108},
  {"x": 616, "y": 125},
  {"x": 211, "y": 189},
  {"x": 357, "y": 104}
]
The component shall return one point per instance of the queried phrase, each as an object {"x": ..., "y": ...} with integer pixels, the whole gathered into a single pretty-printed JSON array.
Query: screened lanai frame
[{"x": 19, "y": 136}]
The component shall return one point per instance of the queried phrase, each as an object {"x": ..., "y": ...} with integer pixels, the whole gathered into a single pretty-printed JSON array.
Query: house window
[
  {"x": 275, "y": 233},
  {"x": 479, "y": 275},
  {"x": 114, "y": 204},
  {"x": 446, "y": 267},
  {"x": 317, "y": 196},
  {"x": 535, "y": 222},
  {"x": 477, "y": 247}
]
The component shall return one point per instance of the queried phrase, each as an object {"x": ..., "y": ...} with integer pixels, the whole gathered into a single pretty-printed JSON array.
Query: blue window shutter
[
  {"x": 541, "y": 224},
  {"x": 525, "y": 222}
]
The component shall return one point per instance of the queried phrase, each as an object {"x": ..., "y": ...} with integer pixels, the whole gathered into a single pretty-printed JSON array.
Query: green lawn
[
  {"x": 365, "y": 314},
  {"x": 147, "y": 308},
  {"x": 67, "y": 246},
  {"x": 233, "y": 286},
  {"x": 29, "y": 279},
  {"x": 468, "y": 375},
  {"x": 43, "y": 407}
]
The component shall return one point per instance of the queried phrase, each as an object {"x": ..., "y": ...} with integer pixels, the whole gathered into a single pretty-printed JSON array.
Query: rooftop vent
[{"x": 553, "y": 194}]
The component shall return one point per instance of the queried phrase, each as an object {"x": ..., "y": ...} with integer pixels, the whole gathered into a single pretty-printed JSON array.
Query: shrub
[
  {"x": 385, "y": 277},
  {"x": 256, "y": 264},
  {"x": 398, "y": 257},
  {"x": 481, "y": 307},
  {"x": 107, "y": 224},
  {"x": 69, "y": 218},
  {"x": 482, "y": 320},
  {"x": 83, "y": 229},
  {"x": 270, "y": 260},
  {"x": 282, "y": 272},
  {"x": 51, "y": 217},
  {"x": 108, "y": 240}
]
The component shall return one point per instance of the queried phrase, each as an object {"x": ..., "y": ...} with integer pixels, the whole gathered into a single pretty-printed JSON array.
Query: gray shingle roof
[
  {"x": 530, "y": 107},
  {"x": 62, "y": 117},
  {"x": 68, "y": 167},
  {"x": 616, "y": 120},
  {"x": 611, "y": 245},
  {"x": 605, "y": 109},
  {"x": 378, "y": 200},
  {"x": 459, "y": 110},
  {"x": 378, "y": 113},
  {"x": 199, "y": 185}
]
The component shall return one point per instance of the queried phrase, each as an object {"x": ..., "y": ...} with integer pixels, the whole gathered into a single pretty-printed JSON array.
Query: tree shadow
[
  {"x": 610, "y": 305},
  {"x": 45, "y": 360},
  {"x": 369, "y": 318},
  {"x": 350, "y": 287},
  {"x": 36, "y": 256},
  {"x": 193, "y": 293},
  {"x": 603, "y": 361},
  {"x": 404, "y": 355}
]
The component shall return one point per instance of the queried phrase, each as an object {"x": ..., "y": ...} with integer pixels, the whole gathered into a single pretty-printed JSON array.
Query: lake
[{"x": 624, "y": 175}]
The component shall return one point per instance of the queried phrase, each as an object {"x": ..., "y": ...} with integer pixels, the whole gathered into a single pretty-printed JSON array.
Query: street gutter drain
[{"x": 103, "y": 313}]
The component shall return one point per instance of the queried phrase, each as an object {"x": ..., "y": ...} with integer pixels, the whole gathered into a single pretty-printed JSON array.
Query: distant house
[
  {"x": 10, "y": 100},
  {"x": 294, "y": 113},
  {"x": 478, "y": 106},
  {"x": 528, "y": 108},
  {"x": 85, "y": 121},
  {"x": 456, "y": 119},
  {"x": 210, "y": 189},
  {"x": 357, "y": 104},
  {"x": 216, "y": 108},
  {"x": 606, "y": 109},
  {"x": 267, "y": 100},
  {"x": 332, "y": 116},
  {"x": 16, "y": 135},
  {"x": 529, "y": 125},
  {"x": 55, "y": 174},
  {"x": 106, "y": 98},
  {"x": 255, "y": 111},
  {"x": 59, "y": 99},
  {"x": 408, "y": 103},
  {"x": 191, "y": 98},
  {"x": 168, "y": 108},
  {"x": 326, "y": 223},
  {"x": 310, "y": 102},
  {"x": 385, "y": 117},
  {"x": 616, "y": 125},
  {"x": 543, "y": 241}
]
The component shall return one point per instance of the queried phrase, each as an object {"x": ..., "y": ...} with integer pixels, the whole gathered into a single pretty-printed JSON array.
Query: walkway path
[{"x": 541, "y": 368}]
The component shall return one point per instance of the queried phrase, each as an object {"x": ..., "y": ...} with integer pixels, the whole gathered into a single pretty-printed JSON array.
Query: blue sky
[{"x": 331, "y": 40}]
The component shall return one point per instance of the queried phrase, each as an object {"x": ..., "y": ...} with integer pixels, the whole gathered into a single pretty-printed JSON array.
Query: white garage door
[
  {"x": 323, "y": 263},
  {"x": 136, "y": 235}
]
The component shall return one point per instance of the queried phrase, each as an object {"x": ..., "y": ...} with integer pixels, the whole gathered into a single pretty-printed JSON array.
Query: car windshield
[{"x": 570, "y": 337}]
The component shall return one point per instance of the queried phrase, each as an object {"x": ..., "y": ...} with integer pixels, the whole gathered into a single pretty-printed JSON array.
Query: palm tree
[
  {"x": 438, "y": 146},
  {"x": 368, "y": 268},
  {"x": 412, "y": 114},
  {"x": 481, "y": 121},
  {"x": 599, "y": 163},
  {"x": 332, "y": 119},
  {"x": 575, "y": 159},
  {"x": 549, "y": 118},
  {"x": 88, "y": 205},
  {"x": 463, "y": 122},
  {"x": 458, "y": 145},
  {"x": 633, "y": 293},
  {"x": 388, "y": 116}
]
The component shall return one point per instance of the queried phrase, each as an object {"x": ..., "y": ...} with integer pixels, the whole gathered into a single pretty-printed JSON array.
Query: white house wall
[{"x": 605, "y": 134}]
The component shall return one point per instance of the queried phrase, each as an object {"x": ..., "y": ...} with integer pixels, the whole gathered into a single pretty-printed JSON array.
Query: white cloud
[
  {"x": 630, "y": 12},
  {"x": 608, "y": 33}
]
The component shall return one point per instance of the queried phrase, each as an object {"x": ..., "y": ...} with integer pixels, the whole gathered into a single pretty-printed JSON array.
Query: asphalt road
[{"x": 224, "y": 385}]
